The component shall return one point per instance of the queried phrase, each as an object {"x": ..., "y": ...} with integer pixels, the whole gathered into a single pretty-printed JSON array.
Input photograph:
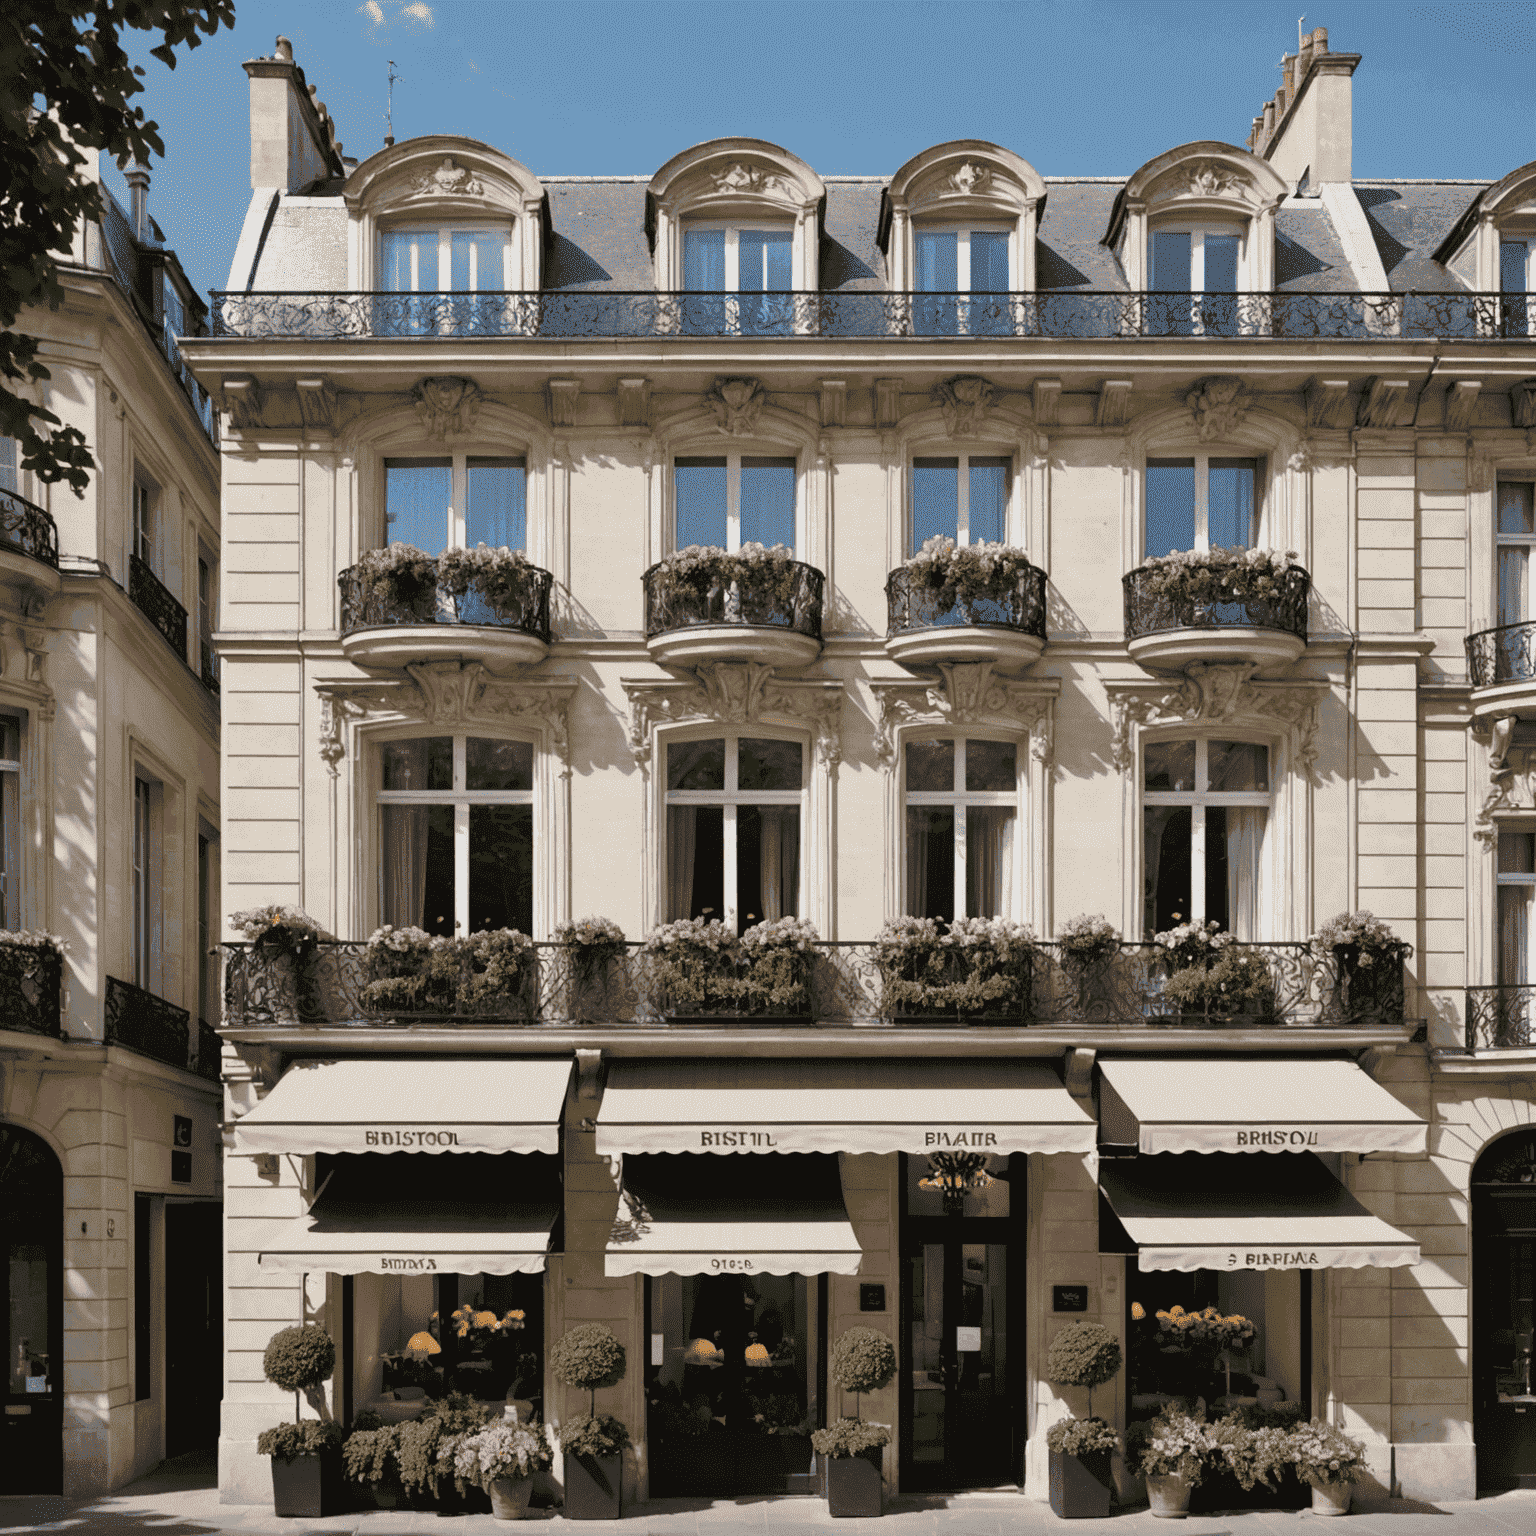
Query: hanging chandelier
[{"x": 955, "y": 1175}]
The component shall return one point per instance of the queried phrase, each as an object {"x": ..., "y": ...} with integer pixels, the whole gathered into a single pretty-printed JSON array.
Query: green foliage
[
  {"x": 416, "y": 972},
  {"x": 588, "y": 1357},
  {"x": 862, "y": 1360},
  {"x": 370, "y": 1455},
  {"x": 310, "y": 1438},
  {"x": 593, "y": 1434},
  {"x": 975, "y": 965},
  {"x": 847, "y": 1437},
  {"x": 961, "y": 576},
  {"x": 1252, "y": 1455},
  {"x": 1082, "y": 1437},
  {"x": 68, "y": 54},
  {"x": 1083, "y": 1355},
  {"x": 700, "y": 966},
  {"x": 299, "y": 1359},
  {"x": 705, "y": 574},
  {"x": 1236, "y": 984}
]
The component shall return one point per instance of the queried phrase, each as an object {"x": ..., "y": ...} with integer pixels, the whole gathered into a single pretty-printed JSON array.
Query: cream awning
[
  {"x": 766, "y": 1104},
  {"x": 1251, "y": 1104},
  {"x": 410, "y": 1105},
  {"x": 1221, "y": 1211},
  {"x": 769, "y": 1215}
]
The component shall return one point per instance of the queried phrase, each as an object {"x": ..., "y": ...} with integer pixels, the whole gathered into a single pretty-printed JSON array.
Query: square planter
[
  {"x": 594, "y": 1487},
  {"x": 1081, "y": 1486},
  {"x": 853, "y": 1484},
  {"x": 307, "y": 1487}
]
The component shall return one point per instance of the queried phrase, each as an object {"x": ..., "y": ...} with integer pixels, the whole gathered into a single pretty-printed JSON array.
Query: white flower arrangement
[
  {"x": 1194, "y": 943},
  {"x": 782, "y": 933},
  {"x": 767, "y": 570},
  {"x": 1087, "y": 938},
  {"x": 1217, "y": 575},
  {"x": 281, "y": 925},
  {"x": 965, "y": 573},
  {"x": 1365, "y": 929},
  {"x": 591, "y": 932},
  {"x": 503, "y": 1449},
  {"x": 33, "y": 938},
  {"x": 498, "y": 575},
  {"x": 1005, "y": 938},
  {"x": 693, "y": 933}
]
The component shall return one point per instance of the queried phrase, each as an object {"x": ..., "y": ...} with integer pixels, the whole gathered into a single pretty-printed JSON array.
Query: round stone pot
[
  {"x": 509, "y": 1497},
  {"x": 1332, "y": 1498},
  {"x": 1168, "y": 1496}
]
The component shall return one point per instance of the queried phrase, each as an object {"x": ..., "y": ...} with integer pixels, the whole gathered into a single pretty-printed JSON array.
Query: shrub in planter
[
  {"x": 976, "y": 967},
  {"x": 301, "y": 1360},
  {"x": 1236, "y": 985},
  {"x": 1367, "y": 957},
  {"x": 399, "y": 580},
  {"x": 418, "y": 972},
  {"x": 1085, "y": 942},
  {"x": 589, "y": 1357},
  {"x": 694, "y": 965},
  {"x": 1083, "y": 1354},
  {"x": 305, "y": 1467},
  {"x": 861, "y": 1360},
  {"x": 777, "y": 956}
]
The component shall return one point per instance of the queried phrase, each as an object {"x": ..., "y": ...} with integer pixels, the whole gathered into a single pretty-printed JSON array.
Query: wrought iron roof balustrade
[
  {"x": 1154, "y": 605},
  {"x": 606, "y": 314},
  {"x": 1501, "y": 1018},
  {"x": 1506, "y": 654},
  {"x": 374, "y": 604},
  {"x": 912, "y": 604},
  {"x": 673, "y": 604},
  {"x": 153, "y": 599},
  {"x": 148, "y": 1025},
  {"x": 31, "y": 988},
  {"x": 327, "y": 987},
  {"x": 27, "y": 529}
]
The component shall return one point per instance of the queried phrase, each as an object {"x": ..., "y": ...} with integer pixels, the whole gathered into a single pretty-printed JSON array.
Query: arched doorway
[
  {"x": 1503, "y": 1297},
  {"x": 32, "y": 1303}
]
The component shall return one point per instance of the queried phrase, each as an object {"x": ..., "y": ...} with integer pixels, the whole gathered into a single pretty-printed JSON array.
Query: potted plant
[
  {"x": 693, "y": 968},
  {"x": 703, "y": 584},
  {"x": 487, "y": 585},
  {"x": 1170, "y": 1451},
  {"x": 502, "y": 1458},
  {"x": 1330, "y": 1462},
  {"x": 489, "y": 973},
  {"x": 305, "y": 1467},
  {"x": 370, "y": 1459},
  {"x": 396, "y": 585},
  {"x": 590, "y": 948},
  {"x": 974, "y": 970},
  {"x": 283, "y": 944},
  {"x": 588, "y": 1357},
  {"x": 1245, "y": 1457},
  {"x": 429, "y": 1444},
  {"x": 1212, "y": 983},
  {"x": 861, "y": 1360},
  {"x": 1189, "y": 586},
  {"x": 981, "y": 582},
  {"x": 1087, "y": 1355},
  {"x": 1087, "y": 945},
  {"x": 1367, "y": 960},
  {"x": 777, "y": 957}
]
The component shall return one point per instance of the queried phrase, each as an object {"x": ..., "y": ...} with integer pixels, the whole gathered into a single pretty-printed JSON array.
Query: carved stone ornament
[
  {"x": 741, "y": 177},
  {"x": 736, "y": 693},
  {"x": 737, "y": 404},
  {"x": 446, "y": 405},
  {"x": 1216, "y": 692},
  {"x": 969, "y": 177},
  {"x": 1207, "y": 178},
  {"x": 446, "y": 693},
  {"x": 448, "y": 180},
  {"x": 1218, "y": 406},
  {"x": 968, "y": 694},
  {"x": 1511, "y": 780},
  {"x": 964, "y": 401},
  {"x": 242, "y": 400}
]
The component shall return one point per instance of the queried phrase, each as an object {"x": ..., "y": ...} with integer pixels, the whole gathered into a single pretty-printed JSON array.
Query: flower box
[{"x": 308, "y": 1487}]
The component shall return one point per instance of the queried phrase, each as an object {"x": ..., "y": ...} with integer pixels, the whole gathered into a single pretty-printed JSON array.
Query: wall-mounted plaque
[{"x": 1069, "y": 1298}]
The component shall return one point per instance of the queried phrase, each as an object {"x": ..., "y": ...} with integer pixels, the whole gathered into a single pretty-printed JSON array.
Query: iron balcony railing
[
  {"x": 673, "y": 602},
  {"x": 152, "y": 598},
  {"x": 842, "y": 984},
  {"x": 1503, "y": 655},
  {"x": 1501, "y": 1018},
  {"x": 1075, "y": 315},
  {"x": 368, "y": 603},
  {"x": 148, "y": 1025},
  {"x": 912, "y": 604},
  {"x": 31, "y": 988},
  {"x": 27, "y": 529},
  {"x": 1234, "y": 598}
]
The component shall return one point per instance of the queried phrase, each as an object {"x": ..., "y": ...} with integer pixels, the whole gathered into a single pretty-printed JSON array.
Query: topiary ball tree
[
  {"x": 862, "y": 1360},
  {"x": 301, "y": 1359},
  {"x": 588, "y": 1357},
  {"x": 1084, "y": 1355}
]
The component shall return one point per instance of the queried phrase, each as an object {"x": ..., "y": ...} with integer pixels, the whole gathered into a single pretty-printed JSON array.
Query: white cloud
[
  {"x": 418, "y": 10},
  {"x": 373, "y": 11}
]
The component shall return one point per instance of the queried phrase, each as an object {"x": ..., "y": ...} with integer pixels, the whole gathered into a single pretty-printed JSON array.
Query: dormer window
[
  {"x": 956, "y": 262},
  {"x": 443, "y": 258},
  {"x": 721, "y": 258}
]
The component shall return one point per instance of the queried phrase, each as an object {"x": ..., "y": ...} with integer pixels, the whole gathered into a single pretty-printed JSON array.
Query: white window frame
[
  {"x": 729, "y": 799},
  {"x": 445, "y": 234},
  {"x": 16, "y": 876},
  {"x": 963, "y": 233},
  {"x": 146, "y": 497},
  {"x": 1199, "y": 799},
  {"x": 963, "y": 506},
  {"x": 734, "y": 229},
  {"x": 461, "y": 799},
  {"x": 458, "y": 492},
  {"x": 959, "y": 799},
  {"x": 1197, "y": 230},
  {"x": 147, "y": 861},
  {"x": 1202, "y": 460},
  {"x": 1530, "y": 262},
  {"x": 1520, "y": 541},
  {"x": 733, "y": 492}
]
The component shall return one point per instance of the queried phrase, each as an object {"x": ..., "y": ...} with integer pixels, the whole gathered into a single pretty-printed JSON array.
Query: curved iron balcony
[
  {"x": 29, "y": 547},
  {"x": 1506, "y": 654},
  {"x": 1170, "y": 629},
  {"x": 740, "y": 620},
  {"x": 1501, "y": 1018},
  {"x": 1007, "y": 625}
]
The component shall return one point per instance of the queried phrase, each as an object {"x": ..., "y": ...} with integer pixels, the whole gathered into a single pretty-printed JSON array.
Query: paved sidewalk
[{"x": 180, "y": 1499}]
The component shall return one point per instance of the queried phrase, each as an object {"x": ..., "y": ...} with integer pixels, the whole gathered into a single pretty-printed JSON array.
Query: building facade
[{"x": 626, "y": 704}]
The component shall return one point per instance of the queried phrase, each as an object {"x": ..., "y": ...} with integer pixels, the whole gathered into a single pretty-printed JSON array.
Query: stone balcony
[
  {"x": 29, "y": 549},
  {"x": 1005, "y": 627},
  {"x": 765, "y": 618},
  {"x": 1239, "y": 619},
  {"x": 1501, "y": 664}
]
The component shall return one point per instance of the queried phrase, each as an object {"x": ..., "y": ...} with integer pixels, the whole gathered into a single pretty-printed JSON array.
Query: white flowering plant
[
  {"x": 1193, "y": 944},
  {"x": 1364, "y": 930},
  {"x": 418, "y": 972},
  {"x": 956, "y": 576},
  {"x": 505, "y": 1449},
  {"x": 701, "y": 966},
  {"x": 33, "y": 938},
  {"x": 1085, "y": 940},
  {"x": 277, "y": 927},
  {"x": 1323, "y": 1454},
  {"x": 762, "y": 573},
  {"x": 398, "y": 576},
  {"x": 499, "y": 576},
  {"x": 1174, "y": 1444},
  {"x": 591, "y": 942},
  {"x": 969, "y": 967},
  {"x": 1204, "y": 577}
]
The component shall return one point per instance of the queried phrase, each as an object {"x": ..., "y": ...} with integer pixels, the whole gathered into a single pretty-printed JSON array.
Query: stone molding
[
  {"x": 967, "y": 694},
  {"x": 737, "y": 405},
  {"x": 965, "y": 401},
  {"x": 446, "y": 405}
]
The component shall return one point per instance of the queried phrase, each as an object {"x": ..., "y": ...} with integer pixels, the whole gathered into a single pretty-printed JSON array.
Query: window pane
[
  {"x": 417, "y": 493},
  {"x": 989, "y": 860},
  {"x": 1517, "y": 853},
  {"x": 395, "y": 251},
  {"x": 930, "y": 861},
  {"x": 767, "y": 863},
  {"x": 766, "y": 764},
  {"x": 1229, "y": 505},
  {"x": 10, "y": 823},
  {"x": 1512, "y": 266},
  {"x": 931, "y": 766},
  {"x": 699, "y": 487},
  {"x": 1165, "y": 852},
  {"x": 425, "y": 762},
  {"x": 477, "y": 257},
  {"x": 704, "y": 260},
  {"x": 501, "y": 867},
  {"x": 498, "y": 764},
  {"x": 935, "y": 500},
  {"x": 696, "y": 764},
  {"x": 418, "y": 866},
  {"x": 10, "y": 465},
  {"x": 988, "y": 511},
  {"x": 1513, "y": 573},
  {"x": 1234, "y": 838},
  {"x": 1515, "y": 934},
  {"x": 991, "y": 765},
  {"x": 1221, "y": 263},
  {"x": 1170, "y": 506},
  {"x": 1515, "y": 507},
  {"x": 1170, "y": 262},
  {"x": 695, "y": 861},
  {"x": 764, "y": 260},
  {"x": 938, "y": 262},
  {"x": 989, "y": 261},
  {"x": 768, "y": 502},
  {"x": 1170, "y": 765},
  {"x": 496, "y": 504},
  {"x": 1237, "y": 765}
]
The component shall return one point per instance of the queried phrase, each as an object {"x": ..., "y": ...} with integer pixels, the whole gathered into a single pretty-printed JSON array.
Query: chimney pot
[
  {"x": 284, "y": 50},
  {"x": 137, "y": 177}
]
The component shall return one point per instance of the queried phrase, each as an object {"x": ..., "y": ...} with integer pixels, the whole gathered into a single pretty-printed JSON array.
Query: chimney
[
  {"x": 1307, "y": 129},
  {"x": 293, "y": 140},
  {"x": 137, "y": 177}
]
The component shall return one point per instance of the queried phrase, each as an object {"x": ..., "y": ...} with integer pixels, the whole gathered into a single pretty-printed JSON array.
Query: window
[
  {"x": 207, "y": 608},
  {"x": 1205, "y": 809},
  {"x": 1517, "y": 893},
  {"x": 1516, "y": 543},
  {"x": 733, "y": 829},
  {"x": 962, "y": 807},
  {"x": 457, "y": 258},
  {"x": 964, "y": 498},
  {"x": 725, "y": 258},
  {"x": 1201, "y": 503},
  {"x": 1194, "y": 260},
  {"x": 961, "y": 261},
  {"x": 207, "y": 926},
  {"x": 734, "y": 499},
  {"x": 456, "y": 816},
  {"x": 10, "y": 464},
  {"x": 456, "y": 501},
  {"x": 144, "y": 521},
  {"x": 147, "y": 876},
  {"x": 10, "y": 822},
  {"x": 1515, "y": 283}
]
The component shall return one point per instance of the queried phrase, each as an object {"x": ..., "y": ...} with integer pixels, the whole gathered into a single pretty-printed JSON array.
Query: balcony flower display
[
  {"x": 475, "y": 973},
  {"x": 1364, "y": 933},
  {"x": 591, "y": 940},
  {"x": 1366, "y": 958},
  {"x": 278, "y": 927},
  {"x": 1086, "y": 941},
  {"x": 498, "y": 575},
  {"x": 958, "y": 576},
  {"x": 31, "y": 938},
  {"x": 1201, "y": 579},
  {"x": 972, "y": 968},
  {"x": 706, "y": 575},
  {"x": 699, "y": 967},
  {"x": 399, "y": 577}
]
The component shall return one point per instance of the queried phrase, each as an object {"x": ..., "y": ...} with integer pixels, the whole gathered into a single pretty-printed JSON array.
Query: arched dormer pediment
[
  {"x": 447, "y": 179},
  {"x": 734, "y": 179},
  {"x": 1505, "y": 210},
  {"x": 1204, "y": 182},
  {"x": 963, "y": 181}
]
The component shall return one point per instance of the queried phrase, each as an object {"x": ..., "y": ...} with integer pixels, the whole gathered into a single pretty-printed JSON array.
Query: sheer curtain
[
  {"x": 405, "y": 864},
  {"x": 779, "y": 861},
  {"x": 917, "y": 862},
  {"x": 682, "y": 839},
  {"x": 989, "y": 860},
  {"x": 1515, "y": 934},
  {"x": 1245, "y": 844}
]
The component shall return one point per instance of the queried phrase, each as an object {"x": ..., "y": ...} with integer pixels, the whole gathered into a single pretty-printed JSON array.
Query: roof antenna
[{"x": 389, "y": 111}]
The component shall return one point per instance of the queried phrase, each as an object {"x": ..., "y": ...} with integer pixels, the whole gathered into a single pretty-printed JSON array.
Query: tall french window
[{"x": 962, "y": 809}]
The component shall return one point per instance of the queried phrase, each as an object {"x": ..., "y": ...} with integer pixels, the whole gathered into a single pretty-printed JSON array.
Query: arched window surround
[{"x": 1507, "y": 208}]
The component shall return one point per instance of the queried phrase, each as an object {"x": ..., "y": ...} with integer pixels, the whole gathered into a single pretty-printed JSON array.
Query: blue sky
[{"x": 1090, "y": 87}]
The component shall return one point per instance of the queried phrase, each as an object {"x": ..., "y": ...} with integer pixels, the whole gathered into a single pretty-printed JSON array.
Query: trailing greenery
[
  {"x": 428, "y": 1445},
  {"x": 299, "y": 1359},
  {"x": 973, "y": 965},
  {"x": 371, "y": 1453},
  {"x": 699, "y": 966},
  {"x": 958, "y": 576},
  {"x": 1236, "y": 984},
  {"x": 1082, "y": 1437},
  {"x": 311, "y": 1437},
  {"x": 597, "y": 1435},
  {"x": 418, "y": 972},
  {"x": 848, "y": 1437}
]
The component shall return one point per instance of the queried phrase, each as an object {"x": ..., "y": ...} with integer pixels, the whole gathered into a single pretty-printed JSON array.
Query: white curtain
[
  {"x": 682, "y": 838},
  {"x": 779, "y": 861},
  {"x": 989, "y": 860},
  {"x": 1245, "y": 843},
  {"x": 405, "y": 864},
  {"x": 1515, "y": 934}
]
